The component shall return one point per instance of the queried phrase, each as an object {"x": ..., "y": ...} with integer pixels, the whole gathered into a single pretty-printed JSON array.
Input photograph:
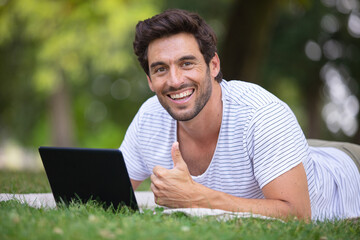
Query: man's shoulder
[
  {"x": 151, "y": 104},
  {"x": 248, "y": 94},
  {"x": 151, "y": 109}
]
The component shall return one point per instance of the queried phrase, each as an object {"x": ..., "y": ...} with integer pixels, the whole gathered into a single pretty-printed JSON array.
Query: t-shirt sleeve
[
  {"x": 275, "y": 142},
  {"x": 130, "y": 148}
]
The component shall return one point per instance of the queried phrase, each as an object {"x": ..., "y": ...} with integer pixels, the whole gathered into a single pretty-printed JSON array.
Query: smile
[{"x": 181, "y": 96}]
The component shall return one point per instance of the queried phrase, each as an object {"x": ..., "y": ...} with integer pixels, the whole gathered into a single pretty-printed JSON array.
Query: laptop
[{"x": 83, "y": 174}]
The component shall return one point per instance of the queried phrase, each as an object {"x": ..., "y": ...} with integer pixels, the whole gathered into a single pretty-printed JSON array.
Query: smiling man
[
  {"x": 173, "y": 59},
  {"x": 210, "y": 143}
]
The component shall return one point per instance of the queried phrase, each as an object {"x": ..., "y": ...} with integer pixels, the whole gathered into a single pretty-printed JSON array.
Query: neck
[{"x": 206, "y": 125}]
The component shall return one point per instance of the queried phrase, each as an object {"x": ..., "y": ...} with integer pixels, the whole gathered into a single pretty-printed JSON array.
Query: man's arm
[
  {"x": 135, "y": 184},
  {"x": 286, "y": 196}
]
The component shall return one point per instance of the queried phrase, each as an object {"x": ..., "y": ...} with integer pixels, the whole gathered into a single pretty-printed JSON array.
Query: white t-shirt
[{"x": 259, "y": 140}]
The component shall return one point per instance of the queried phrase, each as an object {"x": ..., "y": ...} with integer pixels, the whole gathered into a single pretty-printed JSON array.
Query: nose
[{"x": 175, "y": 78}]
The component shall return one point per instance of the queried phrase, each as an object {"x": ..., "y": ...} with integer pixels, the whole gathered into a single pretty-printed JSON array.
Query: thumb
[{"x": 176, "y": 155}]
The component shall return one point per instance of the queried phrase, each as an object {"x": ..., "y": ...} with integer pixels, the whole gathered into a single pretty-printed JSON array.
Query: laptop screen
[{"x": 83, "y": 174}]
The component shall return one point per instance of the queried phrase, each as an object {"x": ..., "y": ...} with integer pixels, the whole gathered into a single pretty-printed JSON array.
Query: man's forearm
[{"x": 205, "y": 197}]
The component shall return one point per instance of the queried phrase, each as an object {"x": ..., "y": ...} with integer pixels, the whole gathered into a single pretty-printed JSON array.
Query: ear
[
  {"x": 150, "y": 83},
  {"x": 214, "y": 65}
]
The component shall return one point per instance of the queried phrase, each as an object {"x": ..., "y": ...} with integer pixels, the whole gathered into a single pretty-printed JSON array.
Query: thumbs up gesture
[{"x": 174, "y": 187}]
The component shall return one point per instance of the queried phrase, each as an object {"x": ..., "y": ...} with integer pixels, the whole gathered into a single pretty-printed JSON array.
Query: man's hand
[
  {"x": 174, "y": 187},
  {"x": 286, "y": 196}
]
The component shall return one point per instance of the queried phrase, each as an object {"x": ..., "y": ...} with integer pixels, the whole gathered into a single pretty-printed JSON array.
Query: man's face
[{"x": 179, "y": 75}]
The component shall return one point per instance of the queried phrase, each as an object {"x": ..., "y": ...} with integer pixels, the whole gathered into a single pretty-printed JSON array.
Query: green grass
[
  {"x": 90, "y": 221},
  {"x": 23, "y": 182},
  {"x": 35, "y": 182}
]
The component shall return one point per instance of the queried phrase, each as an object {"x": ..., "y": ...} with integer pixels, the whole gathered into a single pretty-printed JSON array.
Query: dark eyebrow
[
  {"x": 156, "y": 64},
  {"x": 187, "y": 57}
]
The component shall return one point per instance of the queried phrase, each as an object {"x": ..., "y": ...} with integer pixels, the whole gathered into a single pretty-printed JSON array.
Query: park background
[{"x": 68, "y": 75}]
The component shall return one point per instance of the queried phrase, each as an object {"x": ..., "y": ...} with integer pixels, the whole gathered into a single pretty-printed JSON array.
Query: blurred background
[{"x": 68, "y": 75}]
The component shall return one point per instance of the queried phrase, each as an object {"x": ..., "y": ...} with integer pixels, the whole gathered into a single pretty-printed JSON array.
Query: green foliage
[
  {"x": 45, "y": 44},
  {"x": 87, "y": 46},
  {"x": 296, "y": 26},
  {"x": 74, "y": 36}
]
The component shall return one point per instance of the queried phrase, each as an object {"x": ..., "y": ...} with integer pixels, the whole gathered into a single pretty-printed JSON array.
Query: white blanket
[
  {"x": 46, "y": 200},
  {"x": 145, "y": 200}
]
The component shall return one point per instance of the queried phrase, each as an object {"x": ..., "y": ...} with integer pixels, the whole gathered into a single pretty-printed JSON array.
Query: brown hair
[{"x": 171, "y": 22}]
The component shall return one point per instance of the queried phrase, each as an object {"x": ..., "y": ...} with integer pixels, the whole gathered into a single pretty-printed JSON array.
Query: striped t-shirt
[{"x": 259, "y": 140}]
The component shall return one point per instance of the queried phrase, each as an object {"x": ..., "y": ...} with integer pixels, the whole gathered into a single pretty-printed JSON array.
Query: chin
[{"x": 183, "y": 117}]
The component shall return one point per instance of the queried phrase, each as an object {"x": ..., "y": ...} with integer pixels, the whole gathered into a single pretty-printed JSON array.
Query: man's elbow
[
  {"x": 135, "y": 184},
  {"x": 302, "y": 213}
]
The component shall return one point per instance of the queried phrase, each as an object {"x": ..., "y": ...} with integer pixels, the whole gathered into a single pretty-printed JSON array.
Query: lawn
[{"x": 90, "y": 221}]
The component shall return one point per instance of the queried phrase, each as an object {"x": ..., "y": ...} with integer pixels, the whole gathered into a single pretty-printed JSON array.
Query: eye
[
  {"x": 160, "y": 69},
  {"x": 187, "y": 64}
]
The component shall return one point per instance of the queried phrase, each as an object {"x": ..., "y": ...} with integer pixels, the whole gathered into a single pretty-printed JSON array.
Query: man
[{"x": 210, "y": 143}]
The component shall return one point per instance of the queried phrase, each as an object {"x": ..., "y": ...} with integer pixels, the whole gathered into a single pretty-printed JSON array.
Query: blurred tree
[
  {"x": 252, "y": 27},
  {"x": 287, "y": 62},
  {"x": 248, "y": 28},
  {"x": 68, "y": 71},
  {"x": 289, "y": 47},
  {"x": 315, "y": 51},
  {"x": 75, "y": 56},
  {"x": 257, "y": 40}
]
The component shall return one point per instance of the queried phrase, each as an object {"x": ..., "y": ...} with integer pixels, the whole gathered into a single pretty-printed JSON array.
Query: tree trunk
[
  {"x": 313, "y": 111},
  {"x": 246, "y": 39},
  {"x": 61, "y": 117}
]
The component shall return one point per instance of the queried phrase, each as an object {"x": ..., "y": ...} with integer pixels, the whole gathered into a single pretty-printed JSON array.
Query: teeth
[{"x": 181, "y": 95}]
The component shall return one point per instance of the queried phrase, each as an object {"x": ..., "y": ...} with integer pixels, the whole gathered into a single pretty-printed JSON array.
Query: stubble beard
[{"x": 200, "y": 102}]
